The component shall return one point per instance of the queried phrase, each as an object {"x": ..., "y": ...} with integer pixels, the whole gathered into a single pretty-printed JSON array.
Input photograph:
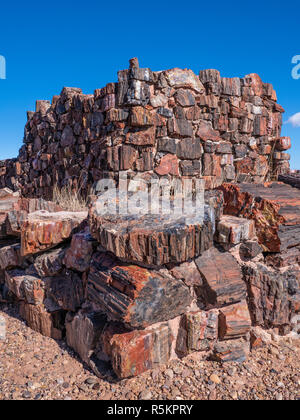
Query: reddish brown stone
[
  {"x": 284, "y": 143},
  {"x": 168, "y": 166},
  {"x": 274, "y": 207},
  {"x": 206, "y": 132},
  {"x": 272, "y": 295},
  {"x": 25, "y": 287},
  {"x": 231, "y": 351},
  {"x": 136, "y": 296},
  {"x": 234, "y": 321},
  {"x": 178, "y": 78},
  {"x": 44, "y": 230},
  {"x": 222, "y": 279},
  {"x": 188, "y": 273},
  {"x": 151, "y": 240},
  {"x": 142, "y": 137},
  {"x": 50, "y": 263},
  {"x": 201, "y": 330},
  {"x": 83, "y": 333},
  {"x": 78, "y": 256},
  {"x": 135, "y": 352},
  {"x": 10, "y": 256},
  {"x": 66, "y": 290},
  {"x": 141, "y": 117},
  {"x": 40, "y": 320}
]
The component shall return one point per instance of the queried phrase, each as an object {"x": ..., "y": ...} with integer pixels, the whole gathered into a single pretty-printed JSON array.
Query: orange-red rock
[
  {"x": 43, "y": 230},
  {"x": 234, "y": 321}
]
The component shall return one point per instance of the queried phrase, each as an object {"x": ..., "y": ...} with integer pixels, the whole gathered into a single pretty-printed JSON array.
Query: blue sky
[{"x": 84, "y": 44}]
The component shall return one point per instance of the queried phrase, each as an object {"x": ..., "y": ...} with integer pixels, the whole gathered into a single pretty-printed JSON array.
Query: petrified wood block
[
  {"x": 132, "y": 353},
  {"x": 43, "y": 230},
  {"x": 234, "y": 321},
  {"x": 233, "y": 230},
  {"x": 222, "y": 279},
  {"x": 38, "y": 319},
  {"x": 273, "y": 296},
  {"x": 275, "y": 209},
  {"x": 201, "y": 330},
  {"x": 152, "y": 240},
  {"x": 134, "y": 295}
]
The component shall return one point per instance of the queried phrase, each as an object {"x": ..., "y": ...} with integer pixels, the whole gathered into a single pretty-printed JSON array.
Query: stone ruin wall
[
  {"x": 170, "y": 123},
  {"x": 131, "y": 294}
]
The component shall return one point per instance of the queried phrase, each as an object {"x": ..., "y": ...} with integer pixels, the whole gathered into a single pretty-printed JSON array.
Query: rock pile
[
  {"x": 140, "y": 297},
  {"x": 139, "y": 290}
]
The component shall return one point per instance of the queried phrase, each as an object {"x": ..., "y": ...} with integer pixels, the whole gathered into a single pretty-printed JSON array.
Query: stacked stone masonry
[
  {"x": 132, "y": 293},
  {"x": 169, "y": 123}
]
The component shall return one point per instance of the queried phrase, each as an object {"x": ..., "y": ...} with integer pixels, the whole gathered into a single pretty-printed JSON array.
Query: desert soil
[{"x": 39, "y": 368}]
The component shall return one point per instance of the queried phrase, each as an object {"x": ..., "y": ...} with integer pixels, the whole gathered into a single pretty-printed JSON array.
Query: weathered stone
[
  {"x": 66, "y": 290},
  {"x": 142, "y": 137},
  {"x": 292, "y": 179},
  {"x": 188, "y": 273},
  {"x": 185, "y": 98},
  {"x": 18, "y": 215},
  {"x": 180, "y": 127},
  {"x": 233, "y": 230},
  {"x": 50, "y": 263},
  {"x": 189, "y": 149},
  {"x": 41, "y": 321},
  {"x": 135, "y": 352},
  {"x": 167, "y": 145},
  {"x": 151, "y": 239},
  {"x": 206, "y": 132},
  {"x": 222, "y": 279},
  {"x": 231, "y": 351},
  {"x": 78, "y": 256},
  {"x": 43, "y": 230},
  {"x": 284, "y": 143},
  {"x": 274, "y": 209},
  {"x": 26, "y": 287},
  {"x": 134, "y": 295},
  {"x": 83, "y": 332},
  {"x": 202, "y": 330},
  {"x": 10, "y": 256},
  {"x": 8, "y": 200},
  {"x": 272, "y": 295},
  {"x": 141, "y": 117},
  {"x": 168, "y": 165},
  {"x": 234, "y": 321},
  {"x": 178, "y": 78},
  {"x": 190, "y": 168},
  {"x": 250, "y": 249}
]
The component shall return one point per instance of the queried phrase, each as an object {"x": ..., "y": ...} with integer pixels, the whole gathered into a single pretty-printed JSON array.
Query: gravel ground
[{"x": 39, "y": 368}]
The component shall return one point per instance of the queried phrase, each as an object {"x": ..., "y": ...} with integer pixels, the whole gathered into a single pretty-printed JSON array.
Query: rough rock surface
[
  {"x": 275, "y": 209},
  {"x": 223, "y": 283},
  {"x": 152, "y": 240},
  {"x": 137, "y": 296},
  {"x": 172, "y": 122},
  {"x": 43, "y": 230}
]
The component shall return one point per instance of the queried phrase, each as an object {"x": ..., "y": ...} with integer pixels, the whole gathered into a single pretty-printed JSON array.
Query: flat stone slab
[
  {"x": 152, "y": 240},
  {"x": 292, "y": 179},
  {"x": 43, "y": 230},
  {"x": 274, "y": 207}
]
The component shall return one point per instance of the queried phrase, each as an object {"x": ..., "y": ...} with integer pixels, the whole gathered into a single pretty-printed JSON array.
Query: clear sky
[{"x": 48, "y": 45}]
